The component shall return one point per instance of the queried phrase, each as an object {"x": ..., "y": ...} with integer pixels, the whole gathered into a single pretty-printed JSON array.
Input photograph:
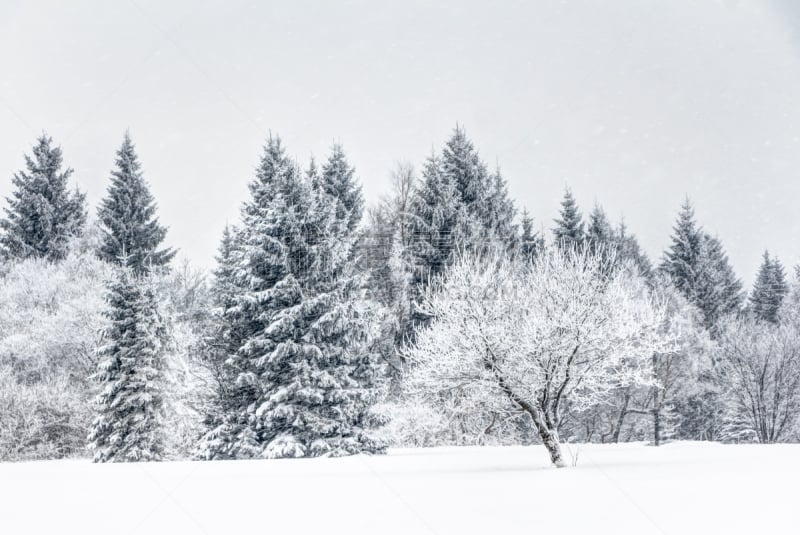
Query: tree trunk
[
  {"x": 553, "y": 446},
  {"x": 657, "y": 427},
  {"x": 656, "y": 419},
  {"x": 623, "y": 411}
]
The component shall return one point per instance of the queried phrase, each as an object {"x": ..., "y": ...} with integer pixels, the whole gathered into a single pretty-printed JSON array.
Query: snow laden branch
[
  {"x": 760, "y": 366},
  {"x": 510, "y": 336}
]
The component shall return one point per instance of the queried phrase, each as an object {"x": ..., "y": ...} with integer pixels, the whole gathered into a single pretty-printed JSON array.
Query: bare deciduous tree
[{"x": 761, "y": 369}]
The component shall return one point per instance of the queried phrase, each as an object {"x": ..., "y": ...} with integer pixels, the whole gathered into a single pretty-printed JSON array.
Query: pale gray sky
[{"x": 633, "y": 103}]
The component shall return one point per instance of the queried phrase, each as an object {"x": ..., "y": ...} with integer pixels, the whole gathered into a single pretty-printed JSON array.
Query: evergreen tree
[
  {"x": 500, "y": 214},
  {"x": 531, "y": 242},
  {"x": 130, "y": 403},
  {"x": 338, "y": 180},
  {"x": 769, "y": 290},
  {"x": 683, "y": 256},
  {"x": 439, "y": 222},
  {"x": 131, "y": 229},
  {"x": 224, "y": 288},
  {"x": 304, "y": 381},
  {"x": 42, "y": 214},
  {"x": 599, "y": 233},
  {"x": 569, "y": 227},
  {"x": 458, "y": 205},
  {"x": 699, "y": 268},
  {"x": 629, "y": 250}
]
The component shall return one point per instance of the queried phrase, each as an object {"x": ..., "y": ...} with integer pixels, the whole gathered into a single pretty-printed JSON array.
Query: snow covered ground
[{"x": 627, "y": 488}]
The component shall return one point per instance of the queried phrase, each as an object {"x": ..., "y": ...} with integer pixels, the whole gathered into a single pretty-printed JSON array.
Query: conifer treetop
[
  {"x": 42, "y": 214},
  {"x": 131, "y": 229}
]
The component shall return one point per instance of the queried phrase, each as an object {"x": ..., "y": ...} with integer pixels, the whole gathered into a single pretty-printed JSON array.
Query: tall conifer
[
  {"x": 42, "y": 213},
  {"x": 131, "y": 229}
]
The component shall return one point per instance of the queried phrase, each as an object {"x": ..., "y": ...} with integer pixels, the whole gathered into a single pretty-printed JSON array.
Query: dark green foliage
[
  {"x": 130, "y": 403},
  {"x": 769, "y": 290},
  {"x": 339, "y": 182},
  {"x": 458, "y": 206},
  {"x": 699, "y": 268},
  {"x": 439, "y": 222},
  {"x": 42, "y": 214},
  {"x": 531, "y": 242},
  {"x": 628, "y": 250},
  {"x": 130, "y": 227},
  {"x": 301, "y": 379},
  {"x": 568, "y": 231}
]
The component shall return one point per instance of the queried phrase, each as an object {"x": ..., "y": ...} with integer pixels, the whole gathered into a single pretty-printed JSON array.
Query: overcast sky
[{"x": 632, "y": 103}]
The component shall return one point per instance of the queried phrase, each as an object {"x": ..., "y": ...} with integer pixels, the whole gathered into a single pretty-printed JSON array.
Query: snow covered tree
[
  {"x": 568, "y": 231},
  {"x": 51, "y": 316},
  {"x": 458, "y": 205},
  {"x": 130, "y": 403},
  {"x": 130, "y": 227},
  {"x": 718, "y": 292},
  {"x": 599, "y": 233},
  {"x": 769, "y": 290},
  {"x": 439, "y": 222},
  {"x": 761, "y": 374},
  {"x": 699, "y": 269},
  {"x": 305, "y": 378},
  {"x": 629, "y": 250},
  {"x": 338, "y": 180},
  {"x": 42, "y": 213},
  {"x": 500, "y": 214},
  {"x": 509, "y": 337},
  {"x": 683, "y": 256},
  {"x": 531, "y": 242},
  {"x": 678, "y": 372}
]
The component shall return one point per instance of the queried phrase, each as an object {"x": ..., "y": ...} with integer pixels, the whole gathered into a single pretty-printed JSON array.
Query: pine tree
[
  {"x": 338, "y": 180},
  {"x": 130, "y": 403},
  {"x": 500, "y": 214},
  {"x": 531, "y": 242},
  {"x": 683, "y": 256},
  {"x": 131, "y": 229},
  {"x": 629, "y": 250},
  {"x": 569, "y": 227},
  {"x": 304, "y": 381},
  {"x": 224, "y": 288},
  {"x": 599, "y": 233},
  {"x": 699, "y": 268},
  {"x": 462, "y": 164},
  {"x": 439, "y": 223},
  {"x": 42, "y": 214},
  {"x": 769, "y": 290}
]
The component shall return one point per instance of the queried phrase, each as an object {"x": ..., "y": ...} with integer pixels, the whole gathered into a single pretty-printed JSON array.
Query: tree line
[{"x": 439, "y": 315}]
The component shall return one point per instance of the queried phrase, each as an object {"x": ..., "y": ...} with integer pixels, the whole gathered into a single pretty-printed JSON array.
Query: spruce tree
[
  {"x": 500, "y": 213},
  {"x": 769, "y": 290},
  {"x": 568, "y": 231},
  {"x": 531, "y": 242},
  {"x": 338, "y": 181},
  {"x": 304, "y": 381},
  {"x": 682, "y": 258},
  {"x": 130, "y": 403},
  {"x": 131, "y": 229},
  {"x": 42, "y": 214},
  {"x": 718, "y": 291},
  {"x": 699, "y": 268},
  {"x": 599, "y": 233},
  {"x": 629, "y": 250},
  {"x": 439, "y": 223}
]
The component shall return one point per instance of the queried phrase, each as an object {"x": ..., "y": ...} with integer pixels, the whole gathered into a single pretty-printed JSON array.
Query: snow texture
[{"x": 686, "y": 487}]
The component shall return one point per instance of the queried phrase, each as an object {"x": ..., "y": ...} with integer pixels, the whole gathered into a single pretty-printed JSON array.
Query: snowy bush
[
  {"x": 50, "y": 320},
  {"x": 509, "y": 337}
]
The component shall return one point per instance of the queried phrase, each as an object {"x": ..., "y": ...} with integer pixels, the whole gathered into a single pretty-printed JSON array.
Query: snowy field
[{"x": 627, "y": 488}]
